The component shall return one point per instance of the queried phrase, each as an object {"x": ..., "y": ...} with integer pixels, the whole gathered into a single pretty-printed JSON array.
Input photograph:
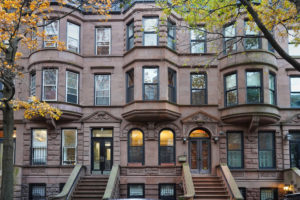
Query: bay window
[
  {"x": 50, "y": 84},
  {"x": 254, "y": 87},
  {"x": 150, "y": 27},
  {"x": 231, "y": 94},
  {"x": 272, "y": 88},
  {"x": 171, "y": 35},
  {"x": 293, "y": 46},
  {"x": 251, "y": 40},
  {"x": 150, "y": 83},
  {"x": 73, "y": 34},
  {"x": 33, "y": 84},
  {"x": 130, "y": 86},
  {"x": 295, "y": 91},
  {"x": 229, "y": 39},
  {"x": 103, "y": 41},
  {"x": 52, "y": 33},
  {"x": 172, "y": 85},
  {"x": 198, "y": 40},
  {"x": 130, "y": 35},
  {"x": 72, "y": 87}
]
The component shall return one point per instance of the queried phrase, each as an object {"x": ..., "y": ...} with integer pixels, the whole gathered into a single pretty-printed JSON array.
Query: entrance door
[
  {"x": 199, "y": 156},
  {"x": 199, "y": 151},
  {"x": 102, "y": 155}
]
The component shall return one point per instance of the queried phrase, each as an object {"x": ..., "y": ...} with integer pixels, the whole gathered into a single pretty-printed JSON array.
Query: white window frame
[
  {"x": 63, "y": 147},
  {"x": 54, "y": 45},
  {"x": 56, "y": 75},
  {"x": 291, "y": 36},
  {"x": 109, "y": 88},
  {"x": 77, "y": 89},
  {"x": 68, "y": 37},
  {"x": 33, "y": 84},
  {"x": 96, "y": 42}
]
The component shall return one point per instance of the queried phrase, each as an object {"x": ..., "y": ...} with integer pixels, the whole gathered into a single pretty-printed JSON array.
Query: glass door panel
[
  {"x": 204, "y": 144},
  {"x": 200, "y": 155},
  {"x": 107, "y": 156},
  {"x": 194, "y": 157},
  {"x": 96, "y": 155},
  {"x": 102, "y": 155}
]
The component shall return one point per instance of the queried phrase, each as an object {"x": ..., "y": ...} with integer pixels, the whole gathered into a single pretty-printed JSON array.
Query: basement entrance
[
  {"x": 199, "y": 151},
  {"x": 102, "y": 148}
]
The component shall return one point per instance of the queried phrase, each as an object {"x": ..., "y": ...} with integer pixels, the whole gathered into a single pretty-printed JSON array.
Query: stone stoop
[
  {"x": 210, "y": 188},
  {"x": 90, "y": 187}
]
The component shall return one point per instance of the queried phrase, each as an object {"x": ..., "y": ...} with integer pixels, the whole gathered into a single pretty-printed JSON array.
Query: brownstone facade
[{"x": 152, "y": 109}]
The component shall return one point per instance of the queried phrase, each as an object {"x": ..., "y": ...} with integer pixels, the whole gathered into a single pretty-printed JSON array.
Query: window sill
[
  {"x": 134, "y": 164},
  {"x": 167, "y": 164}
]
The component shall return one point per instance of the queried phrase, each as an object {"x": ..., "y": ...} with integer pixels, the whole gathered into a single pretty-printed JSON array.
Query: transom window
[
  {"x": 254, "y": 87},
  {"x": 102, "y": 90},
  {"x": 294, "y": 47},
  {"x": 130, "y": 35},
  {"x": 231, "y": 97},
  {"x": 198, "y": 89},
  {"x": 295, "y": 91},
  {"x": 251, "y": 40},
  {"x": 103, "y": 41},
  {"x": 199, "y": 133},
  {"x": 235, "y": 149},
  {"x": 39, "y": 147},
  {"x": 166, "y": 147},
  {"x": 171, "y": 35},
  {"x": 272, "y": 88},
  {"x": 266, "y": 150},
  {"x": 151, "y": 83},
  {"x": 198, "y": 40},
  {"x": 69, "y": 146},
  {"x": 73, "y": 37},
  {"x": 51, "y": 32},
  {"x": 150, "y": 27},
  {"x": 136, "y": 146},
  {"x": 72, "y": 87},
  {"x": 50, "y": 84},
  {"x": 229, "y": 39}
]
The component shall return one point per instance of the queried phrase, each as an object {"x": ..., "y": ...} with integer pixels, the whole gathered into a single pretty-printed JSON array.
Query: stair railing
[
  {"x": 187, "y": 183},
  {"x": 292, "y": 179},
  {"x": 69, "y": 187},
  {"x": 224, "y": 172},
  {"x": 113, "y": 185}
]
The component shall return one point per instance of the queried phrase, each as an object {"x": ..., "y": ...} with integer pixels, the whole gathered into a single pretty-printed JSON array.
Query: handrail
[
  {"x": 69, "y": 187},
  {"x": 187, "y": 182},
  {"x": 112, "y": 187},
  {"x": 292, "y": 178},
  {"x": 230, "y": 182}
]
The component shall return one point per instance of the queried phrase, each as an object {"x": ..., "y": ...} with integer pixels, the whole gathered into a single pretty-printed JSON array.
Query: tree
[
  {"x": 268, "y": 15},
  {"x": 21, "y": 23}
]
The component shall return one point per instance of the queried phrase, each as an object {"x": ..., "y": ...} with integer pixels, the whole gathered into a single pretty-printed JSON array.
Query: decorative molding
[
  {"x": 200, "y": 118},
  {"x": 295, "y": 119},
  {"x": 101, "y": 117}
]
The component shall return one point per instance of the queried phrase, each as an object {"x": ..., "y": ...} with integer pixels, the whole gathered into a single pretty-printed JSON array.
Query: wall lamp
[
  {"x": 184, "y": 139},
  {"x": 216, "y": 139},
  {"x": 288, "y": 137}
]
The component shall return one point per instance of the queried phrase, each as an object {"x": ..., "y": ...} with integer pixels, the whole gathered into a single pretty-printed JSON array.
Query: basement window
[
  {"x": 136, "y": 190},
  {"x": 37, "y": 191}
]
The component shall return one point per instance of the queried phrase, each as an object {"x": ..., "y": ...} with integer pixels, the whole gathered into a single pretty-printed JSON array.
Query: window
[
  {"x": 294, "y": 142},
  {"x": 51, "y": 32},
  {"x": 295, "y": 91},
  {"x": 171, "y": 35},
  {"x": 102, "y": 90},
  {"x": 39, "y": 147},
  {"x": 166, "y": 147},
  {"x": 294, "y": 48},
  {"x": 254, "y": 87},
  {"x": 231, "y": 94},
  {"x": 235, "y": 150},
  {"x": 229, "y": 39},
  {"x": 151, "y": 85},
  {"x": 37, "y": 191},
  {"x": 198, "y": 40},
  {"x": 266, "y": 150},
  {"x": 251, "y": 40},
  {"x": 33, "y": 84},
  {"x": 198, "y": 89},
  {"x": 243, "y": 192},
  {"x": 130, "y": 86},
  {"x": 172, "y": 85},
  {"x": 50, "y": 84},
  {"x": 272, "y": 88},
  {"x": 73, "y": 32},
  {"x": 167, "y": 191},
  {"x": 136, "y": 190},
  {"x": 103, "y": 41},
  {"x": 72, "y": 87},
  {"x": 130, "y": 35},
  {"x": 268, "y": 194},
  {"x": 136, "y": 146},
  {"x": 69, "y": 146},
  {"x": 150, "y": 26}
]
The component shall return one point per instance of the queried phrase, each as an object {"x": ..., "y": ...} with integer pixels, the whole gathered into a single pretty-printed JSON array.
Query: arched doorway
[{"x": 199, "y": 151}]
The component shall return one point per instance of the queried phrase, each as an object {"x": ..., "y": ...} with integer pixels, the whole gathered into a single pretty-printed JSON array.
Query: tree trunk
[{"x": 7, "y": 184}]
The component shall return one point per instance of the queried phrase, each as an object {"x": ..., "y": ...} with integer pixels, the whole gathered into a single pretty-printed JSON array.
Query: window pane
[
  {"x": 197, "y": 47},
  {"x": 295, "y": 84},
  {"x": 267, "y": 194},
  {"x": 136, "y": 138},
  {"x": 102, "y": 89},
  {"x": 136, "y": 190},
  {"x": 150, "y": 75},
  {"x": 33, "y": 84},
  {"x": 253, "y": 95},
  {"x": 151, "y": 92},
  {"x": 253, "y": 79},
  {"x": 230, "y": 82},
  {"x": 166, "y": 138},
  {"x": 39, "y": 138},
  {"x": 103, "y": 34},
  {"x": 130, "y": 29},
  {"x": 51, "y": 31},
  {"x": 229, "y": 31},
  {"x": 234, "y": 159},
  {"x": 198, "y": 97},
  {"x": 171, "y": 77},
  {"x": 150, "y": 24},
  {"x": 198, "y": 81},
  {"x": 167, "y": 191},
  {"x": 39, "y": 146},
  {"x": 251, "y": 43},
  {"x": 69, "y": 137},
  {"x": 166, "y": 154},
  {"x": 271, "y": 81},
  {"x": 234, "y": 141},
  {"x": 231, "y": 98},
  {"x": 294, "y": 49},
  {"x": 73, "y": 37},
  {"x": 272, "y": 97},
  {"x": 103, "y": 41},
  {"x": 266, "y": 150},
  {"x": 266, "y": 141},
  {"x": 38, "y": 192},
  {"x": 72, "y": 87},
  {"x": 295, "y": 99},
  {"x": 198, "y": 34},
  {"x": 150, "y": 39},
  {"x": 49, "y": 93},
  {"x": 50, "y": 77},
  {"x": 251, "y": 28}
]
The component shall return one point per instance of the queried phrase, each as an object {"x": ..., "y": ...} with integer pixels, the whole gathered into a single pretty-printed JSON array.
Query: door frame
[
  {"x": 100, "y": 139},
  {"x": 199, "y": 150}
]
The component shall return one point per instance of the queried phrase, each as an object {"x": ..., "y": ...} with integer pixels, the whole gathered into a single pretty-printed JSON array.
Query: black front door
[
  {"x": 199, "y": 155},
  {"x": 295, "y": 153},
  {"x": 102, "y": 155}
]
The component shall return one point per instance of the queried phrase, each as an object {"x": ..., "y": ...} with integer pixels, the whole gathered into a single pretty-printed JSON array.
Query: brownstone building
[{"x": 139, "y": 99}]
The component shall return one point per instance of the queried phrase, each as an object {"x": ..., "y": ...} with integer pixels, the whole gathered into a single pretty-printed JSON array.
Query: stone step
[
  {"x": 91, "y": 187},
  {"x": 211, "y": 192},
  {"x": 211, "y": 196},
  {"x": 89, "y": 192}
]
